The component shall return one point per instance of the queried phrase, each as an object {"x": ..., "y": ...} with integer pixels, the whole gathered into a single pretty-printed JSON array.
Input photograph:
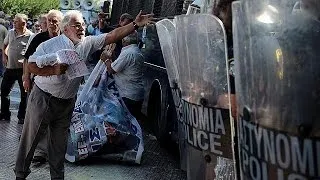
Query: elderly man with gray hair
[
  {"x": 16, "y": 41},
  {"x": 128, "y": 72},
  {"x": 52, "y": 97}
]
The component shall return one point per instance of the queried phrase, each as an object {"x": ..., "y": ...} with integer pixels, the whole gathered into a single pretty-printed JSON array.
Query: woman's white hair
[{"x": 68, "y": 16}]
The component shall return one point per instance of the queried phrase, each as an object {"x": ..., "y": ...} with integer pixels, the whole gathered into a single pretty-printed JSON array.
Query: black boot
[{"x": 4, "y": 117}]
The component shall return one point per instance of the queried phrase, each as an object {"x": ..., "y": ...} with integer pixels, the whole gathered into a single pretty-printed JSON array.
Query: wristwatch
[
  {"x": 108, "y": 60},
  {"x": 135, "y": 25}
]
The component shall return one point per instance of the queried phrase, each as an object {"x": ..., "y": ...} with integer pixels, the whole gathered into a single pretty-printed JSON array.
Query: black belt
[{"x": 53, "y": 97}]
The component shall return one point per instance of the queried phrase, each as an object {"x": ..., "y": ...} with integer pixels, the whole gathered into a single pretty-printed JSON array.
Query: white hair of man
[
  {"x": 21, "y": 16},
  {"x": 68, "y": 16},
  {"x": 56, "y": 13},
  {"x": 131, "y": 38}
]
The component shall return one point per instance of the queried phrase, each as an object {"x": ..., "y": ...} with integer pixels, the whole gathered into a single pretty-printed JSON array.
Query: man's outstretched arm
[{"x": 121, "y": 32}]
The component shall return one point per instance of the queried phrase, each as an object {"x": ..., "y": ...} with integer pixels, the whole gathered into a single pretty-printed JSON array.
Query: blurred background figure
[
  {"x": 3, "y": 34},
  {"x": 103, "y": 24},
  {"x": 125, "y": 19},
  {"x": 6, "y": 19},
  {"x": 92, "y": 27},
  {"x": 2, "y": 15},
  {"x": 7, "y": 24},
  {"x": 30, "y": 24},
  {"x": 36, "y": 27},
  {"x": 9, "y": 21},
  {"x": 43, "y": 22}
]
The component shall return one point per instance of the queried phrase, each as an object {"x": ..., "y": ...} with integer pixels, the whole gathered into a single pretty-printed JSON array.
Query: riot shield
[
  {"x": 202, "y": 68},
  {"x": 167, "y": 37},
  {"x": 167, "y": 32},
  {"x": 277, "y": 84}
]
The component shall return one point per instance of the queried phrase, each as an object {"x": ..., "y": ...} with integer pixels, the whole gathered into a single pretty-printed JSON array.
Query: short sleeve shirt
[
  {"x": 16, "y": 48},
  {"x": 129, "y": 73}
]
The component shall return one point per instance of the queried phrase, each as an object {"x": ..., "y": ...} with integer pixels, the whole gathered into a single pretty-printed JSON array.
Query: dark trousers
[
  {"x": 9, "y": 78},
  {"x": 134, "y": 107},
  {"x": 42, "y": 147},
  {"x": 1, "y": 63},
  {"x": 45, "y": 113}
]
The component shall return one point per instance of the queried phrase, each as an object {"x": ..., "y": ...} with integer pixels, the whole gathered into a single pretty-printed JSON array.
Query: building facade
[{"x": 160, "y": 8}]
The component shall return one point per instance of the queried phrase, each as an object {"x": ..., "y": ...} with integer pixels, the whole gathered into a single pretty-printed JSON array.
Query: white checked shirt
[{"x": 59, "y": 85}]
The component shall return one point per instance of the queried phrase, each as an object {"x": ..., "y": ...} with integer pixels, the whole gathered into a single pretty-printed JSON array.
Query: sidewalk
[{"x": 156, "y": 163}]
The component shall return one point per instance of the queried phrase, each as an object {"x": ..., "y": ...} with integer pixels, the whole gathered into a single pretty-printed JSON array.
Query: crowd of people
[{"x": 47, "y": 95}]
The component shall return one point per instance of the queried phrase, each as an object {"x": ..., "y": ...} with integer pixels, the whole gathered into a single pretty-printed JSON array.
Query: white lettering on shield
[
  {"x": 270, "y": 154},
  {"x": 204, "y": 127}
]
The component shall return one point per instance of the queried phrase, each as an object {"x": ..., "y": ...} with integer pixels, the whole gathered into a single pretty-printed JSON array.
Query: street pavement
[{"x": 157, "y": 163}]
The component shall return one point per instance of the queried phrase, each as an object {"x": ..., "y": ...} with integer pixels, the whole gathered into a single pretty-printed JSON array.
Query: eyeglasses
[
  {"x": 53, "y": 21},
  {"x": 78, "y": 26}
]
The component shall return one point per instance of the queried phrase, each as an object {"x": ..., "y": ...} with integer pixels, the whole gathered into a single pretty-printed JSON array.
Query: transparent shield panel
[
  {"x": 239, "y": 68},
  {"x": 201, "y": 44},
  {"x": 166, "y": 31},
  {"x": 277, "y": 83},
  {"x": 168, "y": 41},
  {"x": 203, "y": 76}
]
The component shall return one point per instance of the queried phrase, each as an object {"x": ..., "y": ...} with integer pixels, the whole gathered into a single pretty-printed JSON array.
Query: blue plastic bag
[{"x": 101, "y": 124}]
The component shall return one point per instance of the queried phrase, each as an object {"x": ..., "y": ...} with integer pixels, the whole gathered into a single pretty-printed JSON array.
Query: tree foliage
[{"x": 31, "y": 8}]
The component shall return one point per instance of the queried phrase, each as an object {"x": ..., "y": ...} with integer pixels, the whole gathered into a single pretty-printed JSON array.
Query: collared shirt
[
  {"x": 129, "y": 72},
  {"x": 16, "y": 47},
  {"x": 59, "y": 85}
]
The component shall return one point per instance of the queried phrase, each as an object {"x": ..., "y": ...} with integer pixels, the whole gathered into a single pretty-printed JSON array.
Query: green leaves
[{"x": 31, "y": 8}]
